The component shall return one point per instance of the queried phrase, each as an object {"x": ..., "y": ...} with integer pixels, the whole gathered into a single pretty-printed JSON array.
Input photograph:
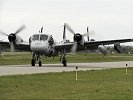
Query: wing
[
  {"x": 4, "y": 46},
  {"x": 23, "y": 47},
  {"x": 67, "y": 46},
  {"x": 92, "y": 45},
  {"x": 107, "y": 42},
  {"x": 19, "y": 47}
]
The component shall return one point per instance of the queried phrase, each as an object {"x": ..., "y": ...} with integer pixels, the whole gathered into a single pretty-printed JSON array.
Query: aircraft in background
[{"x": 44, "y": 44}]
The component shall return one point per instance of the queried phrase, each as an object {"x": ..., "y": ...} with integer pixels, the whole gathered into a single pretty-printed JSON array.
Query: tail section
[{"x": 88, "y": 38}]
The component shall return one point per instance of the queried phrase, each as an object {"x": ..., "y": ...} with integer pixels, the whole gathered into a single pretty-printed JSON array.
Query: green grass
[
  {"x": 25, "y": 58},
  {"x": 91, "y": 85}
]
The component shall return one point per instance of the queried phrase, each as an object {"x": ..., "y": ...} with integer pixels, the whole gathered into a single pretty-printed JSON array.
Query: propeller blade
[
  {"x": 64, "y": 32},
  {"x": 74, "y": 48},
  {"x": 87, "y": 33},
  {"x": 11, "y": 46},
  {"x": 20, "y": 29},
  {"x": 69, "y": 28},
  {"x": 3, "y": 33}
]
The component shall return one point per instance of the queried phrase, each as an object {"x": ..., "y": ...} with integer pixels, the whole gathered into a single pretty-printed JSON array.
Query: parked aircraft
[{"x": 44, "y": 44}]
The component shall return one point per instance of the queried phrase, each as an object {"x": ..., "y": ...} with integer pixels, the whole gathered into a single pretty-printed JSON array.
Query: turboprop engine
[
  {"x": 14, "y": 38},
  {"x": 103, "y": 49},
  {"x": 78, "y": 38}
]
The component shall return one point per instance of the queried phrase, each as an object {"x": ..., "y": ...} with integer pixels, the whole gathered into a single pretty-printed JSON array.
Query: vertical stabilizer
[{"x": 88, "y": 34}]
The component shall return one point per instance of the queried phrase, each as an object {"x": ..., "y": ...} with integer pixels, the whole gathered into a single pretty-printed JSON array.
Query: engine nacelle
[
  {"x": 103, "y": 49},
  {"x": 78, "y": 38},
  {"x": 14, "y": 38},
  {"x": 18, "y": 40},
  {"x": 117, "y": 47}
]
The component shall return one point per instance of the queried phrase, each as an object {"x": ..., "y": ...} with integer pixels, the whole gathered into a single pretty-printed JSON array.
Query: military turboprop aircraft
[{"x": 44, "y": 44}]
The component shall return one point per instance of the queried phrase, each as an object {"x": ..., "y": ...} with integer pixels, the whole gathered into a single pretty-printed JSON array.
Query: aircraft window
[
  {"x": 43, "y": 37},
  {"x": 35, "y": 37}
]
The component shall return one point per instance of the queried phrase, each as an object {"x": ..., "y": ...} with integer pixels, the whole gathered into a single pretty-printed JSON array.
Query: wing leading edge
[
  {"x": 68, "y": 46},
  {"x": 107, "y": 42}
]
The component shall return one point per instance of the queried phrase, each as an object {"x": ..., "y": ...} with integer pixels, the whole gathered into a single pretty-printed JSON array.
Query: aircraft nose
[{"x": 37, "y": 46}]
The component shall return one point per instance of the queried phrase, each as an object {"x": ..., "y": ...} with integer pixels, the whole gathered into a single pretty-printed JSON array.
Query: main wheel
[
  {"x": 64, "y": 62},
  {"x": 33, "y": 62},
  {"x": 40, "y": 63}
]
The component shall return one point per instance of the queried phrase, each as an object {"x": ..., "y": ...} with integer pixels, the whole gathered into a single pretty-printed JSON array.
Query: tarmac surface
[{"x": 50, "y": 68}]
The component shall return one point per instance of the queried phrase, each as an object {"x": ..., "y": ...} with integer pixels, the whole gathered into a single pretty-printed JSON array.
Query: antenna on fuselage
[{"x": 40, "y": 31}]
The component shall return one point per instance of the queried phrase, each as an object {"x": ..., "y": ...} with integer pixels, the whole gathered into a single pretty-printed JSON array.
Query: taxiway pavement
[{"x": 50, "y": 68}]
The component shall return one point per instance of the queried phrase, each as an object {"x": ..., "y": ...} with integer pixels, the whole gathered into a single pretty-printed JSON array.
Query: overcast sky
[{"x": 110, "y": 19}]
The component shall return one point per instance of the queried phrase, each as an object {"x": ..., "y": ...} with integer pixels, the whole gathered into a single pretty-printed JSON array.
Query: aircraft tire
[
  {"x": 40, "y": 63},
  {"x": 33, "y": 62},
  {"x": 64, "y": 63}
]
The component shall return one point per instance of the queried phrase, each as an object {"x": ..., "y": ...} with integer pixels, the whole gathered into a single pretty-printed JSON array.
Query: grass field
[
  {"x": 110, "y": 84},
  {"x": 91, "y": 85},
  {"x": 25, "y": 58}
]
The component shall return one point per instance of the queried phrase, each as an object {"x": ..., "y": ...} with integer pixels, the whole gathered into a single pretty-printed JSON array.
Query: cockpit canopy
[
  {"x": 42, "y": 37},
  {"x": 39, "y": 37}
]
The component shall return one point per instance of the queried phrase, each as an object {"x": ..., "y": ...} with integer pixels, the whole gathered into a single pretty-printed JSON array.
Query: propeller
[
  {"x": 3, "y": 33},
  {"x": 69, "y": 28},
  {"x": 12, "y": 37},
  {"x": 74, "y": 47},
  {"x": 64, "y": 33},
  {"x": 77, "y": 38},
  {"x": 91, "y": 32},
  {"x": 20, "y": 29}
]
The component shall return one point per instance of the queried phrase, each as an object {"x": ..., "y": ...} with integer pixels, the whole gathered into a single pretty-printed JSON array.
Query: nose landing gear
[{"x": 36, "y": 58}]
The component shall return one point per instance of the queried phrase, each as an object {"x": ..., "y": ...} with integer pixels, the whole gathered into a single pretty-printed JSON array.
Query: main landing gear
[
  {"x": 63, "y": 57},
  {"x": 36, "y": 58},
  {"x": 64, "y": 61}
]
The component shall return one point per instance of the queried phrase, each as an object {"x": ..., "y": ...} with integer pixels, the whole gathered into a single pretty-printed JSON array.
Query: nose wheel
[{"x": 36, "y": 58}]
